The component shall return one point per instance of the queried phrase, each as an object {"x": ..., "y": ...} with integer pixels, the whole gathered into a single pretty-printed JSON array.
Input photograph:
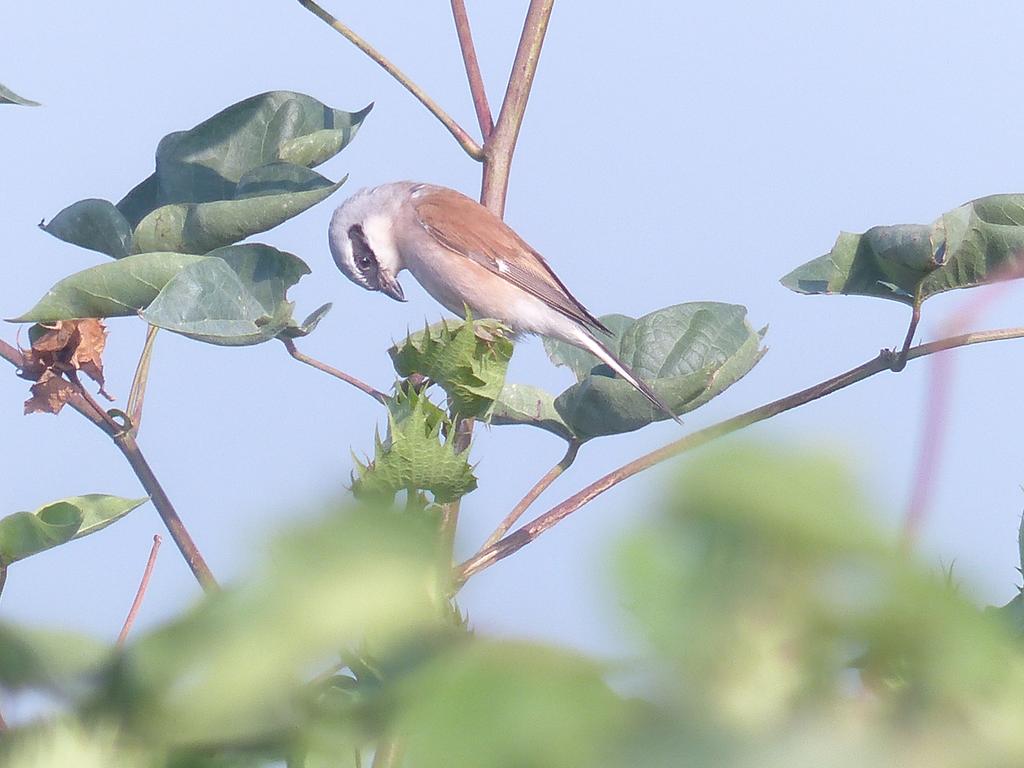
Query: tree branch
[
  {"x": 466, "y": 141},
  {"x": 380, "y": 397},
  {"x": 125, "y": 442},
  {"x": 501, "y": 144},
  {"x": 883, "y": 362},
  {"x": 476, "y": 81},
  {"x": 83, "y": 402}
]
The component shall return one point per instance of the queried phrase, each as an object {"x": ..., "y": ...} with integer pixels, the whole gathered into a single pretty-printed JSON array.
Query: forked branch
[
  {"x": 472, "y": 148},
  {"x": 501, "y": 144},
  {"x": 476, "y": 81}
]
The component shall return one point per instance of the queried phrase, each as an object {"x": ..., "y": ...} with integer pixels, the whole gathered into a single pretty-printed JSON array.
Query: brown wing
[{"x": 471, "y": 230}]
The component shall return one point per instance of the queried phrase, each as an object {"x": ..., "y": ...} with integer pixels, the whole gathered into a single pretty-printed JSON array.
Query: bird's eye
[{"x": 363, "y": 261}]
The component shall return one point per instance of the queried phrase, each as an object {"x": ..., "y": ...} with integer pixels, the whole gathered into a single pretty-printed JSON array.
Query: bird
[{"x": 465, "y": 256}]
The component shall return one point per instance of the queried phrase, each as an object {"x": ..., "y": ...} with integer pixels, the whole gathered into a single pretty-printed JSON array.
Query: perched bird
[{"x": 464, "y": 256}]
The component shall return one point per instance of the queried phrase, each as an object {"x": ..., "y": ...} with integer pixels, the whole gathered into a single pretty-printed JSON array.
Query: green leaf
[
  {"x": 688, "y": 353},
  {"x": 115, "y": 289},
  {"x": 500, "y": 704},
  {"x": 975, "y": 244},
  {"x": 93, "y": 224},
  {"x": 7, "y": 96},
  {"x": 232, "y": 297},
  {"x": 202, "y": 227},
  {"x": 27, "y": 533},
  {"x": 207, "y": 162},
  {"x": 242, "y": 171},
  {"x": 467, "y": 359},
  {"x": 415, "y": 456},
  {"x": 529, "y": 405}
]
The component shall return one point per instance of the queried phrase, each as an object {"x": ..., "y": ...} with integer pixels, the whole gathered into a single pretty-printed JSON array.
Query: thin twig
[
  {"x": 12, "y": 354},
  {"x": 137, "y": 395},
  {"x": 182, "y": 538},
  {"x": 140, "y": 594},
  {"x": 527, "y": 533},
  {"x": 476, "y": 81},
  {"x": 466, "y": 141},
  {"x": 380, "y": 397},
  {"x": 541, "y": 485},
  {"x": 900, "y": 359},
  {"x": 502, "y": 142}
]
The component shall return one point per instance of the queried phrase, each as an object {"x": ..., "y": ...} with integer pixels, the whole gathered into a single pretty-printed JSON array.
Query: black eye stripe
[{"x": 364, "y": 257}]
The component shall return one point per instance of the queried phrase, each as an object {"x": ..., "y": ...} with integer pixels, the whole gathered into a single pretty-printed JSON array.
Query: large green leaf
[
  {"x": 467, "y": 359},
  {"x": 27, "y": 533},
  {"x": 242, "y": 171},
  {"x": 201, "y": 227},
  {"x": 114, "y": 289},
  {"x": 975, "y": 244},
  {"x": 688, "y": 353},
  {"x": 7, "y": 96},
  {"x": 207, "y": 162},
  {"x": 234, "y": 296}
]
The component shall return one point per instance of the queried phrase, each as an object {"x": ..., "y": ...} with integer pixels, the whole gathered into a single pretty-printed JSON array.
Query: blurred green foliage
[{"x": 779, "y": 627}]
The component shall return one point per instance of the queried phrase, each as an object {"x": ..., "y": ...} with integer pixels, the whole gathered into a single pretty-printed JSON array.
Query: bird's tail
[{"x": 601, "y": 351}]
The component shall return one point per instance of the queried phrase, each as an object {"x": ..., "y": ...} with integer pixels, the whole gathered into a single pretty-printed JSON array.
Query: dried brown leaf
[
  {"x": 49, "y": 394},
  {"x": 65, "y": 347}
]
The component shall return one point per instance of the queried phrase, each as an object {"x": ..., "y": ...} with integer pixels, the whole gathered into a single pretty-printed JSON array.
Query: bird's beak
[{"x": 389, "y": 287}]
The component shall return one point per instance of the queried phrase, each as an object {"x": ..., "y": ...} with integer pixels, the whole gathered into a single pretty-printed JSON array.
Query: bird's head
[{"x": 362, "y": 239}]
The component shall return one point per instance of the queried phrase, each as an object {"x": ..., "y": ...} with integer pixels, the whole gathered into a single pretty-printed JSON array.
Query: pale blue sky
[{"x": 672, "y": 152}]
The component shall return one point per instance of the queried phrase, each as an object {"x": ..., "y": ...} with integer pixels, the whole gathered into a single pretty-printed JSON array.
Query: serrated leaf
[
  {"x": 235, "y": 296},
  {"x": 688, "y": 353},
  {"x": 202, "y": 227},
  {"x": 468, "y": 359},
  {"x": 7, "y": 96},
  {"x": 23, "y": 534},
  {"x": 975, "y": 244},
  {"x": 94, "y": 224},
  {"x": 529, "y": 405},
  {"x": 116, "y": 289},
  {"x": 415, "y": 456}
]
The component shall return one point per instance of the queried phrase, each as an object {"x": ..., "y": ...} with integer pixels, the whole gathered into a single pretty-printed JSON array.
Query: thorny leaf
[{"x": 67, "y": 346}]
